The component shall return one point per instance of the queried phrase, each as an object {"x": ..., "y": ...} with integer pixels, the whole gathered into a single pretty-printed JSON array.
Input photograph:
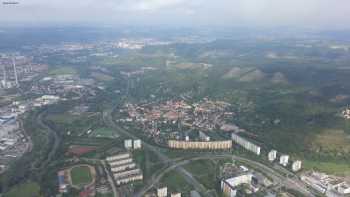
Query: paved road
[
  {"x": 292, "y": 183},
  {"x": 29, "y": 143},
  {"x": 107, "y": 117},
  {"x": 52, "y": 134},
  {"x": 110, "y": 180}
]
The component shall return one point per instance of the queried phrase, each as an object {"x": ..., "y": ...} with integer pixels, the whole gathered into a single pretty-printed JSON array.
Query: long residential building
[
  {"x": 120, "y": 162},
  {"x": 118, "y": 157},
  {"x": 246, "y": 144},
  {"x": 123, "y": 174},
  {"x": 123, "y": 167},
  {"x": 136, "y": 177},
  {"x": 211, "y": 145}
]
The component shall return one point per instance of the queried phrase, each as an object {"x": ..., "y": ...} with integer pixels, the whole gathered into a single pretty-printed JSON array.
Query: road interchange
[{"x": 292, "y": 183}]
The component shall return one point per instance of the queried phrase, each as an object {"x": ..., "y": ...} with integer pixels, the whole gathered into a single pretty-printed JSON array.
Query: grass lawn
[
  {"x": 29, "y": 189},
  {"x": 64, "y": 118},
  {"x": 342, "y": 169},
  {"x": 175, "y": 182},
  {"x": 101, "y": 76},
  {"x": 63, "y": 71},
  {"x": 104, "y": 132},
  {"x": 81, "y": 175},
  {"x": 332, "y": 140},
  {"x": 104, "y": 195},
  {"x": 203, "y": 171}
]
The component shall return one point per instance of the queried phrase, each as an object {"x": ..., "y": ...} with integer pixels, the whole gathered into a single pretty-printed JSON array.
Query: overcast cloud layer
[{"x": 299, "y": 13}]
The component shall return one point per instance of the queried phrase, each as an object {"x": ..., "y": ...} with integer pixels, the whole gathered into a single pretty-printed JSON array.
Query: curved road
[
  {"x": 53, "y": 134},
  {"x": 107, "y": 117},
  {"x": 292, "y": 183}
]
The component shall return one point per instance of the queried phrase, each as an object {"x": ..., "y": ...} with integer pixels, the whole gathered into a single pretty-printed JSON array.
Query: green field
[
  {"x": 81, "y": 175},
  {"x": 104, "y": 195},
  {"x": 64, "y": 118},
  {"x": 342, "y": 169},
  {"x": 175, "y": 182},
  {"x": 63, "y": 71},
  {"x": 101, "y": 76},
  {"x": 104, "y": 132},
  {"x": 204, "y": 171},
  {"x": 29, "y": 189},
  {"x": 78, "y": 125}
]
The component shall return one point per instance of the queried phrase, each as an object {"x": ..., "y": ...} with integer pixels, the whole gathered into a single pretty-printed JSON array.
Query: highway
[
  {"x": 292, "y": 183},
  {"x": 110, "y": 180},
  {"x": 107, "y": 117},
  {"x": 52, "y": 135},
  {"x": 288, "y": 182}
]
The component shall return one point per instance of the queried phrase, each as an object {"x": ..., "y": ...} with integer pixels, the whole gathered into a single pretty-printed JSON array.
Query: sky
[{"x": 266, "y": 13}]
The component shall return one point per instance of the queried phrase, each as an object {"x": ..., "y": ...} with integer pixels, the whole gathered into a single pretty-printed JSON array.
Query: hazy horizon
[{"x": 323, "y": 14}]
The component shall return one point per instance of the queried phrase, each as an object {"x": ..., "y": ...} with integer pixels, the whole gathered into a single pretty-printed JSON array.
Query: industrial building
[
  {"x": 326, "y": 184},
  {"x": 62, "y": 185},
  {"x": 343, "y": 188},
  {"x": 233, "y": 177},
  {"x": 8, "y": 125},
  {"x": 246, "y": 144},
  {"x": 272, "y": 155},
  {"x": 212, "y": 145},
  {"x": 46, "y": 100},
  {"x": 284, "y": 160},
  {"x": 229, "y": 186},
  {"x": 315, "y": 182}
]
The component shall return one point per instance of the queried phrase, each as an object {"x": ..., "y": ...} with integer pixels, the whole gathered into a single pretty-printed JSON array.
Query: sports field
[{"x": 81, "y": 175}]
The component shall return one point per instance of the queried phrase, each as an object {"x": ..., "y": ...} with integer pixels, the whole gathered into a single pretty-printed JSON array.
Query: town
[{"x": 132, "y": 116}]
